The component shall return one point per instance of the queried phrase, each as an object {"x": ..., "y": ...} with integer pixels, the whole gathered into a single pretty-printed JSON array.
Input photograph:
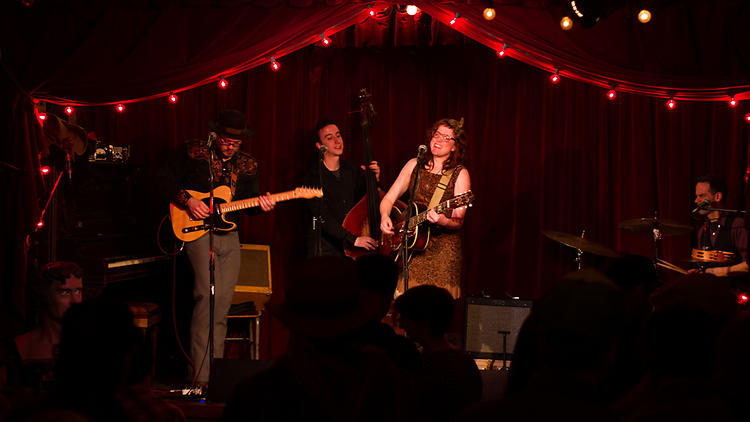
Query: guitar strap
[
  {"x": 440, "y": 188},
  {"x": 233, "y": 182}
]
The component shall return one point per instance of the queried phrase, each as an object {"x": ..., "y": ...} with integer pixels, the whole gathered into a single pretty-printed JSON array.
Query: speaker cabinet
[
  {"x": 255, "y": 269},
  {"x": 254, "y": 282},
  {"x": 487, "y": 319}
]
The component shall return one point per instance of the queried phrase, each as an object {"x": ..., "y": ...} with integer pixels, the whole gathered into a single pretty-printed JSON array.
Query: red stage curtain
[
  {"x": 65, "y": 53},
  {"x": 541, "y": 156}
]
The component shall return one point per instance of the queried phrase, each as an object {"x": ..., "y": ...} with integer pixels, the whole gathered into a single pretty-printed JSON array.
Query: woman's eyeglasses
[{"x": 443, "y": 136}]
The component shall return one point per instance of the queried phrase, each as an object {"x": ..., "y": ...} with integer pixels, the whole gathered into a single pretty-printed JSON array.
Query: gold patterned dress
[{"x": 440, "y": 264}]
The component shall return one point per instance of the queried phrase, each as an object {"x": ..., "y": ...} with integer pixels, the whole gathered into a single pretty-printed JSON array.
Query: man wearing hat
[{"x": 189, "y": 170}]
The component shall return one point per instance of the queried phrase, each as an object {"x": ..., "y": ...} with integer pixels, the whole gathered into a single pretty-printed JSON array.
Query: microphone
[
  {"x": 703, "y": 204},
  {"x": 422, "y": 148},
  {"x": 323, "y": 149},
  {"x": 68, "y": 166},
  {"x": 211, "y": 139}
]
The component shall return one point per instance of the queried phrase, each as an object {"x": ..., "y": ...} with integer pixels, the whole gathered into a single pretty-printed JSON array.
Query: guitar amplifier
[
  {"x": 488, "y": 320},
  {"x": 255, "y": 269},
  {"x": 254, "y": 282}
]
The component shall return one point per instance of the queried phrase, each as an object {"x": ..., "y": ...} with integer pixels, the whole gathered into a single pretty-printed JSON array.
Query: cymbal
[
  {"x": 576, "y": 242},
  {"x": 646, "y": 225}
]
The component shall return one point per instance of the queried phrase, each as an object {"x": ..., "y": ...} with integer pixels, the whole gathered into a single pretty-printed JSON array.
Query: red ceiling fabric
[
  {"x": 107, "y": 54},
  {"x": 690, "y": 50},
  {"x": 114, "y": 55}
]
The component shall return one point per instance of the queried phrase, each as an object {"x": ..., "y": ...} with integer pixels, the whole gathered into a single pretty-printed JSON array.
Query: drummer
[{"x": 720, "y": 231}]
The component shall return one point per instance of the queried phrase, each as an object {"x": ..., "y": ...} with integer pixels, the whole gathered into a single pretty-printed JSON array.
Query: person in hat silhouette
[{"x": 189, "y": 170}]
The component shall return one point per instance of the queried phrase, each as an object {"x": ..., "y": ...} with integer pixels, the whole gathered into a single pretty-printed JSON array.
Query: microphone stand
[
  {"x": 741, "y": 212},
  {"x": 317, "y": 220},
  {"x": 211, "y": 256},
  {"x": 404, "y": 247}
]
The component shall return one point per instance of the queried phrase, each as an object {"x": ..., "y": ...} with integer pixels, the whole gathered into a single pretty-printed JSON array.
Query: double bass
[{"x": 364, "y": 218}]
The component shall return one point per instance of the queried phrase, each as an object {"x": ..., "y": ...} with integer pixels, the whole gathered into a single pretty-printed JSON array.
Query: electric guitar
[
  {"x": 417, "y": 238},
  {"x": 188, "y": 229}
]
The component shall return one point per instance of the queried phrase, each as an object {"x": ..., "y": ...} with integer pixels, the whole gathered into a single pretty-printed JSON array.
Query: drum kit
[{"x": 656, "y": 227}]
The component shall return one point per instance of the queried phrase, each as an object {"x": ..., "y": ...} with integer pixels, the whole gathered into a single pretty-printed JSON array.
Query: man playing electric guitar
[
  {"x": 441, "y": 177},
  {"x": 238, "y": 172}
]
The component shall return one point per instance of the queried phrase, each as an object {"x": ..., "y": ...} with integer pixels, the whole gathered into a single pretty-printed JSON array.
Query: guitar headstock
[
  {"x": 308, "y": 193},
  {"x": 463, "y": 200}
]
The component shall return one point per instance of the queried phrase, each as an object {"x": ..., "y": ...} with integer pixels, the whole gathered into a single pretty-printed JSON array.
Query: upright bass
[{"x": 364, "y": 218}]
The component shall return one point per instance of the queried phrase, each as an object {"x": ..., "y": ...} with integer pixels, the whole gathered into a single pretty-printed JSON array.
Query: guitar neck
[
  {"x": 422, "y": 216},
  {"x": 254, "y": 202}
]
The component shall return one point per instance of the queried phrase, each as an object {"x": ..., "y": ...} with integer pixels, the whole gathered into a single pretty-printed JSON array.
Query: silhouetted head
[
  {"x": 323, "y": 299},
  {"x": 378, "y": 274},
  {"x": 97, "y": 345},
  {"x": 579, "y": 319},
  {"x": 426, "y": 308},
  {"x": 58, "y": 286}
]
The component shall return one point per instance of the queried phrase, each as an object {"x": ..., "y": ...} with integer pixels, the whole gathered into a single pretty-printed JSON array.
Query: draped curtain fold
[{"x": 66, "y": 54}]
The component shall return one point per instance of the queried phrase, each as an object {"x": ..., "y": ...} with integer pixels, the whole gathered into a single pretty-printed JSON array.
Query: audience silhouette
[
  {"x": 680, "y": 339},
  {"x": 616, "y": 347},
  {"x": 379, "y": 275},
  {"x": 58, "y": 286},
  {"x": 101, "y": 357},
  {"x": 448, "y": 379},
  {"x": 572, "y": 336},
  {"x": 327, "y": 372}
]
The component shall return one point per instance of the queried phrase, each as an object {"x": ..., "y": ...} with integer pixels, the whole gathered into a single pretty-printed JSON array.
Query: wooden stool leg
[
  {"x": 256, "y": 343},
  {"x": 250, "y": 337}
]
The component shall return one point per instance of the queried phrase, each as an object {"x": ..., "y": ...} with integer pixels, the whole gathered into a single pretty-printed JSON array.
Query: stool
[
  {"x": 253, "y": 331},
  {"x": 252, "y": 292},
  {"x": 146, "y": 316}
]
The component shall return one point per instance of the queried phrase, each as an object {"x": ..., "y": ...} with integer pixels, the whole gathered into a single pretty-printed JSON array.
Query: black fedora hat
[{"x": 232, "y": 124}]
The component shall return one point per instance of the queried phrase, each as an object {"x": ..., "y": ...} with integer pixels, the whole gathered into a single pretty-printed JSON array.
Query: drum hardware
[
  {"x": 581, "y": 245},
  {"x": 658, "y": 228}
]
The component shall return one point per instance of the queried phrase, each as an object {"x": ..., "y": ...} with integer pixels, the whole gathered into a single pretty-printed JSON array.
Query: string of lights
[{"x": 453, "y": 19}]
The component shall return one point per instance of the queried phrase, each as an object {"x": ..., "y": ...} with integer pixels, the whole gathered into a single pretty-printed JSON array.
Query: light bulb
[
  {"x": 566, "y": 23},
  {"x": 644, "y": 16},
  {"x": 489, "y": 13}
]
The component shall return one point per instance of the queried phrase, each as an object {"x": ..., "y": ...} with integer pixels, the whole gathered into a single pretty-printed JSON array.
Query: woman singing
[{"x": 440, "y": 263}]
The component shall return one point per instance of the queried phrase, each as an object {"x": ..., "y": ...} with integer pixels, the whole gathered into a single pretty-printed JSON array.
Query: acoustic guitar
[
  {"x": 188, "y": 229},
  {"x": 417, "y": 238}
]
